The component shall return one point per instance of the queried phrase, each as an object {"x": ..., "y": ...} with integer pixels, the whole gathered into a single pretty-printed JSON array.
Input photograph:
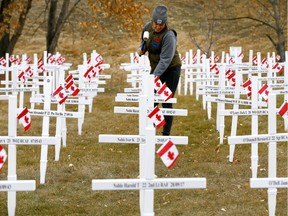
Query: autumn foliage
[{"x": 126, "y": 14}]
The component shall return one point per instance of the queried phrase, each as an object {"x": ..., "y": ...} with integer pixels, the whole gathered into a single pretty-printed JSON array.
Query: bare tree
[
  {"x": 55, "y": 24},
  {"x": 279, "y": 44},
  {"x": 207, "y": 43},
  {"x": 128, "y": 17},
  {"x": 270, "y": 15},
  {"x": 13, "y": 15}
]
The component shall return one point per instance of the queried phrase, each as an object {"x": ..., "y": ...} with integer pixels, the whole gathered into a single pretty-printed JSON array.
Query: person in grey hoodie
[{"x": 163, "y": 55}]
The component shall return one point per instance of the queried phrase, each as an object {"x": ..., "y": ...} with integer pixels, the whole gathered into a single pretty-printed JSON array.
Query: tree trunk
[
  {"x": 4, "y": 41},
  {"x": 21, "y": 24},
  {"x": 8, "y": 41},
  {"x": 55, "y": 26},
  {"x": 51, "y": 25},
  {"x": 280, "y": 44}
]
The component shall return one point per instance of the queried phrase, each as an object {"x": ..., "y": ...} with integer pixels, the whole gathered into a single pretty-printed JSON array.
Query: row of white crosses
[
  {"x": 12, "y": 184},
  {"x": 193, "y": 64},
  {"x": 271, "y": 79},
  {"x": 193, "y": 68},
  {"x": 272, "y": 182},
  {"x": 14, "y": 71},
  {"x": 148, "y": 117},
  {"x": 20, "y": 66},
  {"x": 204, "y": 73},
  {"x": 268, "y": 66},
  {"x": 257, "y": 101},
  {"x": 89, "y": 78},
  {"x": 44, "y": 140},
  {"x": 53, "y": 74},
  {"x": 136, "y": 65},
  {"x": 55, "y": 93},
  {"x": 271, "y": 68},
  {"x": 62, "y": 98},
  {"x": 46, "y": 112},
  {"x": 226, "y": 72},
  {"x": 213, "y": 83},
  {"x": 48, "y": 80},
  {"x": 55, "y": 86}
]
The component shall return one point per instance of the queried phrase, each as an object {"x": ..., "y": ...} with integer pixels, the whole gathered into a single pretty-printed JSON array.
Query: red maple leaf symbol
[
  {"x": 26, "y": 119},
  {"x": 266, "y": 92},
  {"x": 1, "y": 159},
  {"x": 61, "y": 95},
  {"x": 166, "y": 93},
  {"x": 158, "y": 117},
  {"x": 158, "y": 84},
  {"x": 171, "y": 155},
  {"x": 72, "y": 88}
]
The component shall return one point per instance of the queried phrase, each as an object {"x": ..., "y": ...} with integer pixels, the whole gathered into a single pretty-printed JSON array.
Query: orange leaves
[
  {"x": 127, "y": 13},
  {"x": 10, "y": 17}
]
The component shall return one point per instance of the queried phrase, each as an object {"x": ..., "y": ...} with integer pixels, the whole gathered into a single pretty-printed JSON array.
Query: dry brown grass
[{"x": 68, "y": 189}]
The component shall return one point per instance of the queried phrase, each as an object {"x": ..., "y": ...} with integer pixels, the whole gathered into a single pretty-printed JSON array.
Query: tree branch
[
  {"x": 271, "y": 39},
  {"x": 195, "y": 42},
  {"x": 247, "y": 17},
  {"x": 18, "y": 32}
]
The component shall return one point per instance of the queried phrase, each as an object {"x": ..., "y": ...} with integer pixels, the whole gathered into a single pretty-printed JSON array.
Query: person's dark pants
[{"x": 171, "y": 77}]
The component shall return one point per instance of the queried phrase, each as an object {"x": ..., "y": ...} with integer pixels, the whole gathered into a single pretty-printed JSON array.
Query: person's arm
[
  {"x": 142, "y": 49},
  {"x": 167, "y": 53}
]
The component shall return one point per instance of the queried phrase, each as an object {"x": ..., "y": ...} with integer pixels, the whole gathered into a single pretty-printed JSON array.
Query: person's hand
[{"x": 140, "y": 52}]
